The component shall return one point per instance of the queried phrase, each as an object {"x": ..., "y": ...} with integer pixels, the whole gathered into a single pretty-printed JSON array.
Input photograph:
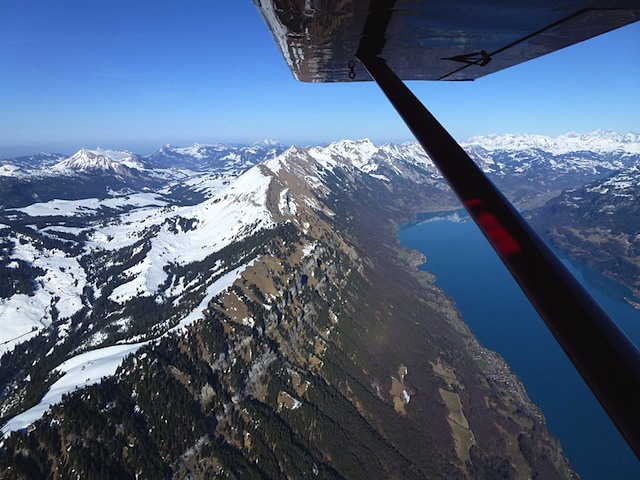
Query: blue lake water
[{"x": 502, "y": 319}]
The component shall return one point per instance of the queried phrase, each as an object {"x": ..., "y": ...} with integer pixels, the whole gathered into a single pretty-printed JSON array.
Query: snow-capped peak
[
  {"x": 117, "y": 161},
  {"x": 267, "y": 142},
  {"x": 358, "y": 152}
]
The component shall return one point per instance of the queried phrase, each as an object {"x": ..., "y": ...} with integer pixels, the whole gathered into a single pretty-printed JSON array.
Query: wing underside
[{"x": 432, "y": 39}]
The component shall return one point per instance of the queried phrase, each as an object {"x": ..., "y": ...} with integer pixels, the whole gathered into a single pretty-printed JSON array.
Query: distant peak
[
  {"x": 362, "y": 141},
  {"x": 266, "y": 143},
  {"x": 599, "y": 140}
]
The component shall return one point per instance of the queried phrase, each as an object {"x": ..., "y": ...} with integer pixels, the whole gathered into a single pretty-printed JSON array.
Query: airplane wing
[{"x": 434, "y": 39}]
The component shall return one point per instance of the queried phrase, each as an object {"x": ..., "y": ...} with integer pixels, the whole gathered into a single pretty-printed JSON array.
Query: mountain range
[
  {"x": 549, "y": 164},
  {"x": 246, "y": 310}
]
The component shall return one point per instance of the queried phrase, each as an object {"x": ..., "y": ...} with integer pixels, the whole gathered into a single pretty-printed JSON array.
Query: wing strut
[{"x": 607, "y": 360}]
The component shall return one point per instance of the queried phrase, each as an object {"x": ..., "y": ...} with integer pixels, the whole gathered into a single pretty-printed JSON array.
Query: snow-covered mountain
[
  {"x": 227, "y": 158},
  {"x": 118, "y": 162},
  {"x": 539, "y": 162},
  {"x": 86, "y": 174},
  {"x": 545, "y": 159},
  {"x": 29, "y": 165},
  {"x": 524, "y": 166},
  {"x": 600, "y": 141}
]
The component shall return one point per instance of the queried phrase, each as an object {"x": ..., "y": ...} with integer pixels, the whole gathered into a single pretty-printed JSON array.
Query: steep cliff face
[{"x": 328, "y": 355}]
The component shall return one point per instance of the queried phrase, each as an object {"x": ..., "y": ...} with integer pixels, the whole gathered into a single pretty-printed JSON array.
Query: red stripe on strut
[{"x": 499, "y": 236}]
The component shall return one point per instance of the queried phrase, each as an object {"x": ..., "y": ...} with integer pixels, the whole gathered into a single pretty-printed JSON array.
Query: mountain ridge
[{"x": 601, "y": 141}]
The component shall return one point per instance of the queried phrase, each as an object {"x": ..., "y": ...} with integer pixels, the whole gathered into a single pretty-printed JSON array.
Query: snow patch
[
  {"x": 9, "y": 170},
  {"x": 379, "y": 177},
  {"x": 286, "y": 205},
  {"x": 89, "y": 206},
  {"x": 307, "y": 249},
  {"x": 82, "y": 370}
]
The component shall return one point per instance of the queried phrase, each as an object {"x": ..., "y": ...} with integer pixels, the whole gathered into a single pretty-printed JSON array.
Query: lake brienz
[{"x": 491, "y": 303}]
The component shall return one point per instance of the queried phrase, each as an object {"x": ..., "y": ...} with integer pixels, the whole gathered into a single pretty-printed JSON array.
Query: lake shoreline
[{"x": 591, "y": 455}]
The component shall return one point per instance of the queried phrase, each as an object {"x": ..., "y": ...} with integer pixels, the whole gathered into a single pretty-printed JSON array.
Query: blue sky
[{"x": 137, "y": 74}]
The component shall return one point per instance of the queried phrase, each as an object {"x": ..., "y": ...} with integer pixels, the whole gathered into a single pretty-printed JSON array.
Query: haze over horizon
[{"x": 139, "y": 75}]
